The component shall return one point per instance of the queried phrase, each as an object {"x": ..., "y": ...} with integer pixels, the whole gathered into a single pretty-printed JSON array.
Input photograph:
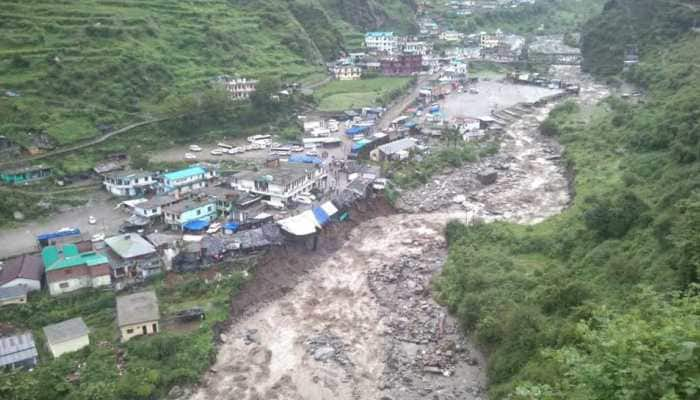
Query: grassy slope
[
  {"x": 80, "y": 64},
  {"x": 578, "y": 307},
  {"x": 343, "y": 95}
]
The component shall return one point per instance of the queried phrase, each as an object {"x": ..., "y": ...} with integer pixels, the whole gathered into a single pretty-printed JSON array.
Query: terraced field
[{"x": 69, "y": 67}]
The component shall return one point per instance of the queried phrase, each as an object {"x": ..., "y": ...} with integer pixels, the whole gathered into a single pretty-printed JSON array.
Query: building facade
[
  {"x": 382, "y": 41},
  {"x": 181, "y": 213},
  {"x": 347, "y": 73},
  {"x": 18, "y": 351},
  {"x": 26, "y": 175},
  {"x": 280, "y": 184},
  {"x": 67, "y": 336},
  {"x": 68, "y": 270},
  {"x": 402, "y": 65},
  {"x": 239, "y": 88},
  {"x": 132, "y": 258},
  {"x": 137, "y": 315},
  {"x": 186, "y": 180},
  {"x": 129, "y": 183},
  {"x": 25, "y": 270}
]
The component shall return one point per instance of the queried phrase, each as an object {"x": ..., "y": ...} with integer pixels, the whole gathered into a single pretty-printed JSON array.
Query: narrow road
[
  {"x": 399, "y": 105},
  {"x": 89, "y": 143}
]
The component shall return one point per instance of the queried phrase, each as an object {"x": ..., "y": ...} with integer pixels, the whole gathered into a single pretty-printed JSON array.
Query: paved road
[{"x": 396, "y": 109}]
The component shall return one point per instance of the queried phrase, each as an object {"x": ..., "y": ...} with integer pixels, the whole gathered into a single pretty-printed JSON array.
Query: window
[
  {"x": 199, "y": 212},
  {"x": 129, "y": 331},
  {"x": 209, "y": 208},
  {"x": 63, "y": 285}
]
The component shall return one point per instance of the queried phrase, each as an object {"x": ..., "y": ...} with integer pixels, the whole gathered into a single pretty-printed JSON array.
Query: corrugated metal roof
[
  {"x": 130, "y": 245},
  {"x": 26, "y": 266},
  {"x": 137, "y": 308},
  {"x": 398, "y": 145},
  {"x": 71, "y": 257},
  {"x": 185, "y": 173},
  {"x": 13, "y": 292},
  {"x": 14, "y": 349},
  {"x": 65, "y": 331}
]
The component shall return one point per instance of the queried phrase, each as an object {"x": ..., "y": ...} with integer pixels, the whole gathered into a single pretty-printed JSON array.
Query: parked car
[
  {"x": 195, "y": 148},
  {"x": 216, "y": 152},
  {"x": 190, "y": 156},
  {"x": 302, "y": 199},
  {"x": 213, "y": 228},
  {"x": 92, "y": 220}
]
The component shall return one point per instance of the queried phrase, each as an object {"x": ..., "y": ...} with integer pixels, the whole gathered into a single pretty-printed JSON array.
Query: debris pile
[
  {"x": 426, "y": 354},
  {"x": 326, "y": 347}
]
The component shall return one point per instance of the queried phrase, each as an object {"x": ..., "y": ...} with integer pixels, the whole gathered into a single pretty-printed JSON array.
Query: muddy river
[{"x": 362, "y": 323}]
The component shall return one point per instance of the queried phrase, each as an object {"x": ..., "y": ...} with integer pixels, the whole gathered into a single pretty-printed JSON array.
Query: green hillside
[
  {"x": 602, "y": 301},
  {"x": 87, "y": 64}
]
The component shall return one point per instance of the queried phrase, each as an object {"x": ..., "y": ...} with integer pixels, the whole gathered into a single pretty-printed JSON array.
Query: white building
[
  {"x": 451, "y": 36},
  {"x": 488, "y": 41},
  {"x": 279, "y": 184},
  {"x": 129, "y": 183},
  {"x": 421, "y": 48},
  {"x": 67, "y": 336},
  {"x": 186, "y": 180},
  {"x": 239, "y": 88},
  {"x": 347, "y": 72},
  {"x": 394, "y": 150},
  {"x": 382, "y": 41}
]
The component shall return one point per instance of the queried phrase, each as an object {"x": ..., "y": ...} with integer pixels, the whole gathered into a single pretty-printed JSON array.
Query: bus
[{"x": 225, "y": 146}]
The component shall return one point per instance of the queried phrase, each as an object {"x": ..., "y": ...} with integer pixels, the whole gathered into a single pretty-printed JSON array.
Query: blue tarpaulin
[
  {"x": 410, "y": 124},
  {"x": 434, "y": 109},
  {"x": 303, "y": 159},
  {"x": 196, "y": 225},
  {"x": 356, "y": 147},
  {"x": 59, "y": 234},
  {"x": 321, "y": 215},
  {"x": 231, "y": 226},
  {"x": 356, "y": 130}
]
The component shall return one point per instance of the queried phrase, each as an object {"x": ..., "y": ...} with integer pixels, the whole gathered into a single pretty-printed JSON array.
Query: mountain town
[{"x": 391, "y": 200}]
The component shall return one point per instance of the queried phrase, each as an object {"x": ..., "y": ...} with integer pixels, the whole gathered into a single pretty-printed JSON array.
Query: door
[
  {"x": 155, "y": 328},
  {"x": 145, "y": 330}
]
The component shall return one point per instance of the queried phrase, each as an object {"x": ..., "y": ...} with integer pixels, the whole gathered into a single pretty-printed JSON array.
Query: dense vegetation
[
  {"x": 83, "y": 67},
  {"x": 142, "y": 368},
  {"x": 602, "y": 301},
  {"x": 542, "y": 17}
]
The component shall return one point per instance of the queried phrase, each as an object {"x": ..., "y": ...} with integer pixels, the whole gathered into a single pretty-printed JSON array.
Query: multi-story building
[
  {"x": 186, "y": 211},
  {"x": 404, "y": 64},
  {"x": 132, "y": 257},
  {"x": 347, "y": 72},
  {"x": 382, "y": 41},
  {"x": 451, "y": 36},
  {"x": 278, "y": 184},
  {"x": 67, "y": 269},
  {"x": 414, "y": 47},
  {"x": 186, "y": 180},
  {"x": 25, "y": 175},
  {"x": 490, "y": 41},
  {"x": 129, "y": 183},
  {"x": 239, "y": 88}
]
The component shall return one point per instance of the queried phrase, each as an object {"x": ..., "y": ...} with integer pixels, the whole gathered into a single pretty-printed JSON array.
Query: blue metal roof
[
  {"x": 379, "y": 34},
  {"x": 321, "y": 215},
  {"x": 303, "y": 159},
  {"x": 59, "y": 234},
  {"x": 185, "y": 173}
]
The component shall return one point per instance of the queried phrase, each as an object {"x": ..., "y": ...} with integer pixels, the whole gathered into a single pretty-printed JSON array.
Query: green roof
[{"x": 71, "y": 257}]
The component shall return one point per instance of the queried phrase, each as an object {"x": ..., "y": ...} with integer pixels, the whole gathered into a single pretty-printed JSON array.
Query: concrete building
[
  {"x": 278, "y": 184},
  {"x": 137, "y": 315},
  {"x": 67, "y": 336},
  {"x": 13, "y": 295},
  {"x": 68, "y": 269},
  {"x": 132, "y": 257},
  {"x": 347, "y": 72},
  {"x": 490, "y": 41},
  {"x": 181, "y": 213},
  {"x": 153, "y": 208},
  {"x": 402, "y": 65},
  {"x": 25, "y": 175},
  {"x": 396, "y": 150},
  {"x": 186, "y": 180},
  {"x": 25, "y": 270},
  {"x": 451, "y": 36},
  {"x": 18, "y": 351},
  {"x": 418, "y": 47},
  {"x": 129, "y": 183},
  {"x": 382, "y": 41},
  {"x": 239, "y": 88}
]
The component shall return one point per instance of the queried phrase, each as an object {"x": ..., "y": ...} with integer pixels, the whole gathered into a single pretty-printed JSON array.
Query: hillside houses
[
  {"x": 132, "y": 258},
  {"x": 180, "y": 214},
  {"x": 177, "y": 183},
  {"x": 278, "y": 183},
  {"x": 138, "y": 314},
  {"x": 68, "y": 269},
  {"x": 129, "y": 183},
  {"x": 386, "y": 42},
  {"x": 238, "y": 88}
]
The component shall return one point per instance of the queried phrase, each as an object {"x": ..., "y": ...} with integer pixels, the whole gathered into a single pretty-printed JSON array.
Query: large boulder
[{"x": 487, "y": 177}]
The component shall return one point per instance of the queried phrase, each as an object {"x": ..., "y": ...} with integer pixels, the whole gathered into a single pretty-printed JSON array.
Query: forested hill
[
  {"x": 641, "y": 24},
  {"x": 80, "y": 64},
  {"x": 602, "y": 301}
]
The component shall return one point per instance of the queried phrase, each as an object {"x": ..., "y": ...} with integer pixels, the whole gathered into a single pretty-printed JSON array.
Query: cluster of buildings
[
  {"x": 239, "y": 88},
  {"x": 137, "y": 314}
]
